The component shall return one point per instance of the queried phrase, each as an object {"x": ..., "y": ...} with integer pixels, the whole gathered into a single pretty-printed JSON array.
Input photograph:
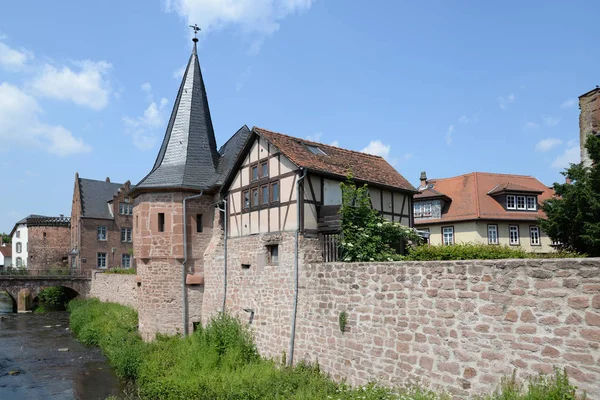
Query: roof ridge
[
  {"x": 483, "y": 173},
  {"x": 101, "y": 181},
  {"x": 318, "y": 143}
]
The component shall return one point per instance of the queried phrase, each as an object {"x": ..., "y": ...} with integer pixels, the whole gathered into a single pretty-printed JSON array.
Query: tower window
[
  {"x": 198, "y": 223},
  {"x": 161, "y": 222},
  {"x": 273, "y": 254}
]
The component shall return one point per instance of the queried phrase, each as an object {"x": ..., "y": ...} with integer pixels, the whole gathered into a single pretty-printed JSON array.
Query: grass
[{"x": 221, "y": 362}]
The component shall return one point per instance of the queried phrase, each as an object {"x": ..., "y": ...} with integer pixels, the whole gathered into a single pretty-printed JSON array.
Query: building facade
[
  {"x": 5, "y": 255},
  {"x": 263, "y": 201},
  {"x": 589, "y": 120},
  {"x": 41, "y": 242},
  {"x": 495, "y": 209},
  {"x": 101, "y": 235}
]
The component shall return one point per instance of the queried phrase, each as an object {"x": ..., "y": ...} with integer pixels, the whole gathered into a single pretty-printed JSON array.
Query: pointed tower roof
[{"x": 188, "y": 157}]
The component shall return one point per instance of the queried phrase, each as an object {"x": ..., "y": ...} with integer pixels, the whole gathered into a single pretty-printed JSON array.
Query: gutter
[
  {"x": 224, "y": 209},
  {"x": 183, "y": 265},
  {"x": 296, "y": 238}
]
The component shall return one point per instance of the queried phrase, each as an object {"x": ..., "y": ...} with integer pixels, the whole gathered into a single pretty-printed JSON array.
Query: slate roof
[
  {"x": 471, "y": 199},
  {"x": 188, "y": 157},
  {"x": 337, "y": 161},
  {"x": 95, "y": 196},
  {"x": 229, "y": 153},
  {"x": 41, "y": 220}
]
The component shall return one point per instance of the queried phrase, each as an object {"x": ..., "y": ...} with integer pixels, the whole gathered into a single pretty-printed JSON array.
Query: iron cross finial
[{"x": 196, "y": 29}]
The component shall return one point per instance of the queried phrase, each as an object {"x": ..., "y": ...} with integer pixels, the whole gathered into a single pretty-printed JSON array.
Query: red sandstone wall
[
  {"x": 48, "y": 251},
  {"x": 114, "y": 288},
  {"x": 458, "y": 326}
]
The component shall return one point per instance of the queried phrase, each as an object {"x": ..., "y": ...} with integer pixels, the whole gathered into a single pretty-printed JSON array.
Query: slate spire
[{"x": 188, "y": 157}]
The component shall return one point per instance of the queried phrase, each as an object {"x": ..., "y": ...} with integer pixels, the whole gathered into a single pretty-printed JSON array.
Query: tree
[
  {"x": 5, "y": 238},
  {"x": 573, "y": 215},
  {"x": 367, "y": 236}
]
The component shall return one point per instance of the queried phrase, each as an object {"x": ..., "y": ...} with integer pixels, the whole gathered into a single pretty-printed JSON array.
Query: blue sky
[{"x": 445, "y": 87}]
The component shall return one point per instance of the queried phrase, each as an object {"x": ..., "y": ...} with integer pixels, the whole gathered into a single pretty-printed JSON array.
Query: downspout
[
  {"x": 183, "y": 267},
  {"x": 296, "y": 250},
  {"x": 224, "y": 209}
]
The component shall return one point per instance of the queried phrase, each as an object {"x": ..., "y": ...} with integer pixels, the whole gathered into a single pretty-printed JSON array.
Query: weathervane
[{"x": 196, "y": 29}]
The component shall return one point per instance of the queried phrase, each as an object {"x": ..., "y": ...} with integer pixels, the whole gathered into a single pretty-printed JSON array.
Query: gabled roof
[
  {"x": 471, "y": 201},
  {"x": 6, "y": 250},
  {"x": 188, "y": 157},
  {"x": 95, "y": 196},
  {"x": 336, "y": 161},
  {"x": 430, "y": 193}
]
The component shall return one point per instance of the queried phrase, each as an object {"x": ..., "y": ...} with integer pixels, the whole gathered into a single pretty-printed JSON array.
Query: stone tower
[
  {"x": 188, "y": 165},
  {"x": 589, "y": 120}
]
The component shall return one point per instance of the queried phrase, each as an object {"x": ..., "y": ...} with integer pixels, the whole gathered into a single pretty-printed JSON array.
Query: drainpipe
[
  {"x": 224, "y": 209},
  {"x": 296, "y": 238},
  {"x": 183, "y": 266}
]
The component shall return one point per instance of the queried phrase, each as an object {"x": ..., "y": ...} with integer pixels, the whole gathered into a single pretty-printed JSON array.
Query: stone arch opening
[
  {"x": 8, "y": 302},
  {"x": 53, "y": 297}
]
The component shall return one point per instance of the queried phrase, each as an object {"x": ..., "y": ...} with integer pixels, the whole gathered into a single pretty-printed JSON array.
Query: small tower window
[
  {"x": 273, "y": 254},
  {"x": 161, "y": 222},
  {"x": 44, "y": 235},
  {"x": 198, "y": 223}
]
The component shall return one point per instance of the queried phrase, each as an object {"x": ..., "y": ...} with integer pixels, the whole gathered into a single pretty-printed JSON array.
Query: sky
[{"x": 446, "y": 87}]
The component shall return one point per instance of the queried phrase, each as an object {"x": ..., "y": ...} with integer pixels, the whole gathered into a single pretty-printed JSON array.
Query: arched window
[
  {"x": 19, "y": 262},
  {"x": 19, "y": 247}
]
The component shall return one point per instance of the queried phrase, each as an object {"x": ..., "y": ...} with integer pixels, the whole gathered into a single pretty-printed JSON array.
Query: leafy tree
[
  {"x": 5, "y": 238},
  {"x": 367, "y": 236},
  {"x": 573, "y": 215}
]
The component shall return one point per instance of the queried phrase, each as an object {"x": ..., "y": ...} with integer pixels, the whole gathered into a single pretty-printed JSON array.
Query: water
[{"x": 29, "y": 344}]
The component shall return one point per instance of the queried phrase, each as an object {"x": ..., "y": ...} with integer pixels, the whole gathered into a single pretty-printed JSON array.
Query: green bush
[
  {"x": 476, "y": 251},
  {"x": 541, "y": 387},
  {"x": 123, "y": 271},
  {"x": 55, "y": 296}
]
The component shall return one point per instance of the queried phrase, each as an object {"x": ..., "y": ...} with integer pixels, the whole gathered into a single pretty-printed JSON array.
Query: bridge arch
[{"x": 9, "y": 296}]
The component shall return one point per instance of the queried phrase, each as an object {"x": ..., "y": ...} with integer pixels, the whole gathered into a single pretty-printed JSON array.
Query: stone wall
[
  {"x": 457, "y": 326},
  {"x": 114, "y": 288},
  {"x": 589, "y": 121},
  {"x": 48, "y": 246}
]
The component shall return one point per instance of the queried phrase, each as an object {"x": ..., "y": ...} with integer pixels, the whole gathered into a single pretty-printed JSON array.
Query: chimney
[
  {"x": 107, "y": 179},
  {"x": 423, "y": 180}
]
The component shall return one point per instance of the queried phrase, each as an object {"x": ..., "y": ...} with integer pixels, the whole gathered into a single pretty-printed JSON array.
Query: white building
[{"x": 19, "y": 242}]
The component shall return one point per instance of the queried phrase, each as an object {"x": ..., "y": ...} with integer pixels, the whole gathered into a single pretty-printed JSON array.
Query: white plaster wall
[{"x": 22, "y": 228}]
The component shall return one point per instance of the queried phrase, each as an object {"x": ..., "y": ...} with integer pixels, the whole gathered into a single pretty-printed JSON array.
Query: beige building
[{"x": 496, "y": 209}]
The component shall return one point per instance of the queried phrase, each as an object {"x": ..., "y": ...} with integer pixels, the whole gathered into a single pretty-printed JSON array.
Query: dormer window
[
  {"x": 531, "y": 203},
  {"x": 511, "y": 202},
  {"x": 521, "y": 203},
  {"x": 418, "y": 209},
  {"x": 315, "y": 150},
  {"x": 427, "y": 209}
]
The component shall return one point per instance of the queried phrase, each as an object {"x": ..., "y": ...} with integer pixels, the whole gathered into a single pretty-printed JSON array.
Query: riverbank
[
  {"x": 220, "y": 361},
  {"x": 33, "y": 368}
]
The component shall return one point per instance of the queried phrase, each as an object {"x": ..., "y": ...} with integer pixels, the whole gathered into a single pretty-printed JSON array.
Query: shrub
[
  {"x": 55, "y": 296},
  {"x": 123, "y": 271},
  {"x": 541, "y": 387},
  {"x": 476, "y": 251}
]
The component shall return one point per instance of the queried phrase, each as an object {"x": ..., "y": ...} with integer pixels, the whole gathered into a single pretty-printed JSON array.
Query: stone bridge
[{"x": 24, "y": 289}]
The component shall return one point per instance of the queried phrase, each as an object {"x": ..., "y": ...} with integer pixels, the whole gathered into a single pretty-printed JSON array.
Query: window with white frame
[
  {"x": 18, "y": 235},
  {"x": 418, "y": 209},
  {"x": 534, "y": 235},
  {"x": 101, "y": 233},
  {"x": 513, "y": 234},
  {"x": 448, "y": 234},
  {"x": 126, "y": 208},
  {"x": 521, "y": 203},
  {"x": 125, "y": 261},
  {"x": 531, "y": 203},
  {"x": 19, "y": 247},
  {"x": 511, "y": 202},
  {"x": 19, "y": 262},
  {"x": 492, "y": 234},
  {"x": 101, "y": 262},
  {"x": 126, "y": 235},
  {"x": 427, "y": 209}
]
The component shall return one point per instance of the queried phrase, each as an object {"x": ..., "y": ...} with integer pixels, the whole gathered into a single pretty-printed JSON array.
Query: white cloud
[
  {"x": 551, "y": 121},
  {"x": 88, "y": 87},
  {"x": 377, "y": 148},
  {"x": 256, "y": 19},
  {"x": 20, "y": 125},
  {"x": 12, "y": 59},
  {"x": 449, "y": 133},
  {"x": 335, "y": 143},
  {"x": 143, "y": 129},
  {"x": 178, "y": 73},
  {"x": 315, "y": 137},
  {"x": 571, "y": 155},
  {"x": 146, "y": 87},
  {"x": 505, "y": 101},
  {"x": 547, "y": 144},
  {"x": 531, "y": 125},
  {"x": 464, "y": 119},
  {"x": 568, "y": 103}
]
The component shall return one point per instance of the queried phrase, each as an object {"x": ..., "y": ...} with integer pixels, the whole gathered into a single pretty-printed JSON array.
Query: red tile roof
[
  {"x": 337, "y": 161},
  {"x": 6, "y": 250},
  {"x": 470, "y": 198}
]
